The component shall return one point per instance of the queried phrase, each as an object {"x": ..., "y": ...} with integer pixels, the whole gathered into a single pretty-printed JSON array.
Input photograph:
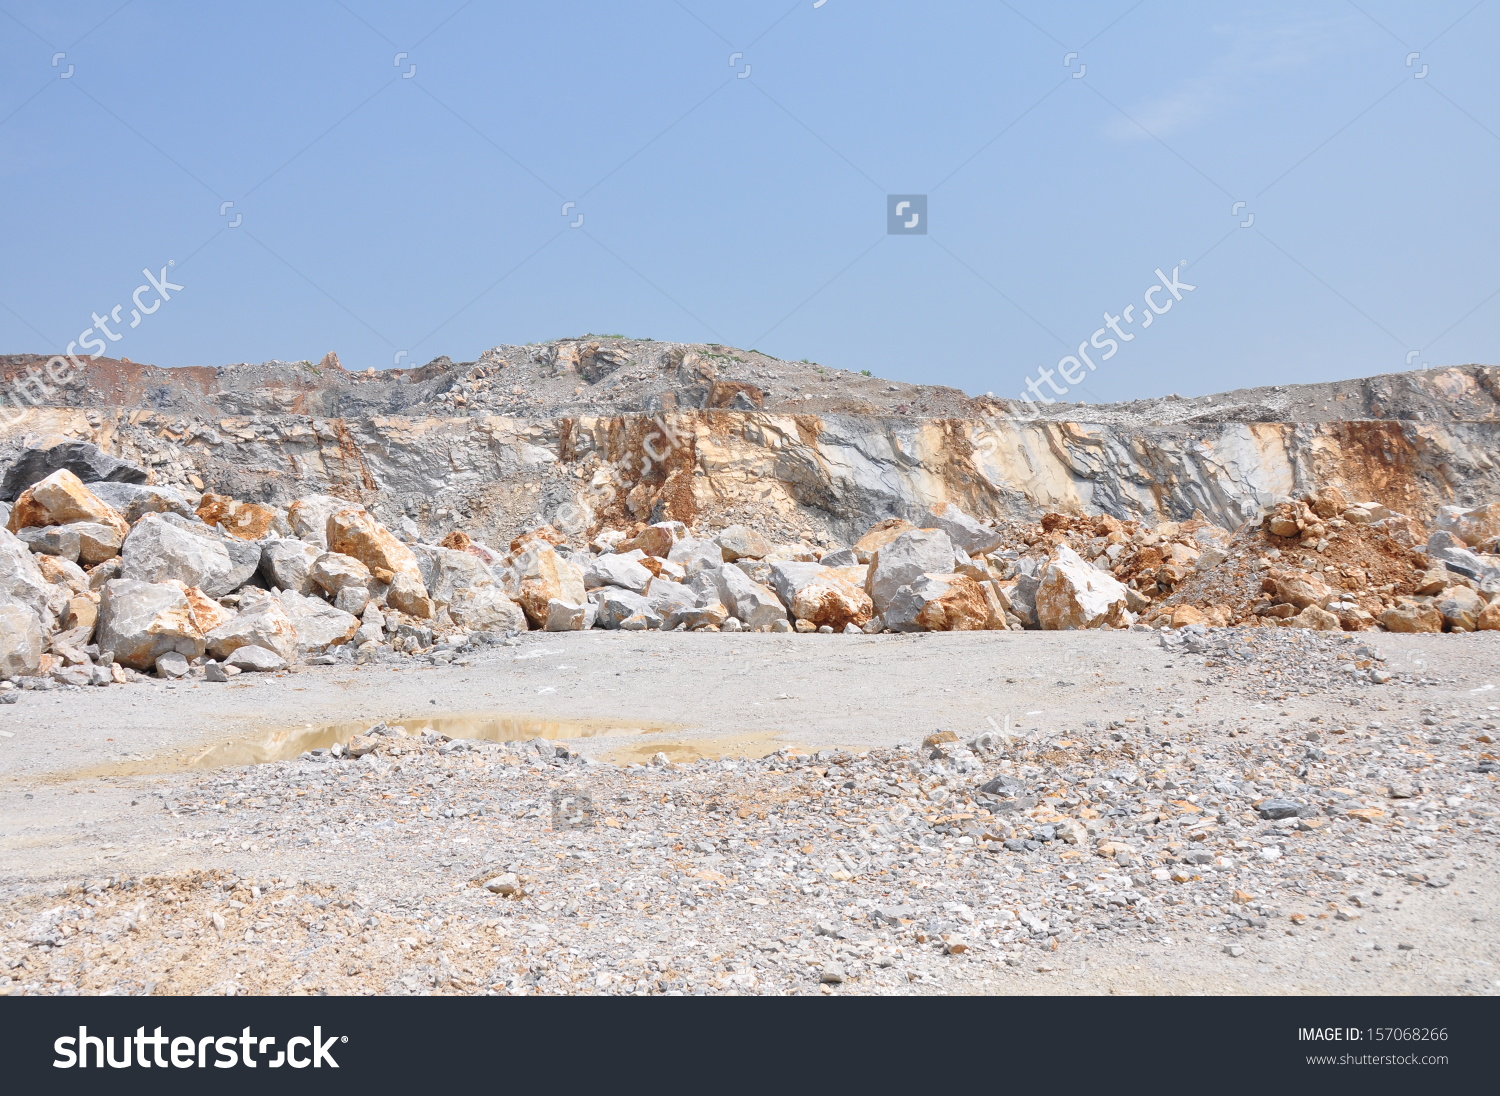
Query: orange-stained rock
[
  {"x": 457, "y": 540},
  {"x": 836, "y": 597},
  {"x": 1412, "y": 618},
  {"x": 1489, "y": 618},
  {"x": 939, "y": 603},
  {"x": 878, "y": 536},
  {"x": 1183, "y": 615},
  {"x": 354, "y": 532},
  {"x": 206, "y": 613},
  {"x": 537, "y": 576},
  {"x": 544, "y": 533},
  {"x": 59, "y": 499},
  {"x": 245, "y": 520}
]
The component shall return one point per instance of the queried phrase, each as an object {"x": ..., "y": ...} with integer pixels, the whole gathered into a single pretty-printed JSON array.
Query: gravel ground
[{"x": 1088, "y": 813}]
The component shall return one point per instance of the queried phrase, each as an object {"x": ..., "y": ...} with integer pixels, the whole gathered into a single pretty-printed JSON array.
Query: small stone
[
  {"x": 506, "y": 884},
  {"x": 171, "y": 664},
  {"x": 1278, "y": 808},
  {"x": 1234, "y": 950},
  {"x": 832, "y": 974}
]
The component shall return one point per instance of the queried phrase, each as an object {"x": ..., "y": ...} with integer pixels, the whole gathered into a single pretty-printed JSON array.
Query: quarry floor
[{"x": 84, "y": 775}]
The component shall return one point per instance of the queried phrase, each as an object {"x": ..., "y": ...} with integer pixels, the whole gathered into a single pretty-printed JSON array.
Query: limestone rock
[
  {"x": 878, "y": 536},
  {"x": 1074, "y": 594},
  {"x": 539, "y": 575},
  {"x": 616, "y": 570},
  {"x": 1298, "y": 589},
  {"x": 1472, "y": 526},
  {"x": 486, "y": 609},
  {"x": 158, "y": 549},
  {"x": 939, "y": 603},
  {"x": 96, "y": 542},
  {"x": 141, "y": 621},
  {"x": 407, "y": 595},
  {"x": 656, "y": 540},
  {"x": 21, "y": 640},
  {"x": 910, "y": 554},
  {"x": 692, "y": 554},
  {"x": 568, "y": 616},
  {"x": 246, "y": 520},
  {"x": 742, "y": 542},
  {"x": 1316, "y": 619},
  {"x": 332, "y": 571},
  {"x": 753, "y": 604},
  {"x": 830, "y": 596},
  {"x": 59, "y": 499},
  {"x": 61, "y": 541},
  {"x": 317, "y": 624},
  {"x": 842, "y": 557},
  {"x": 1460, "y": 607},
  {"x": 616, "y": 605},
  {"x": 133, "y": 501},
  {"x": 82, "y": 459},
  {"x": 21, "y": 578},
  {"x": 354, "y": 532},
  {"x": 255, "y": 660},
  {"x": 966, "y": 534},
  {"x": 308, "y": 517},
  {"x": 287, "y": 564},
  {"x": 1489, "y": 619},
  {"x": 264, "y": 624},
  {"x": 206, "y": 613},
  {"x": 1411, "y": 618}
]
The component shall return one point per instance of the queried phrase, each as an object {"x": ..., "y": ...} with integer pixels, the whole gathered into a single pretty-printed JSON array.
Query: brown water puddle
[
  {"x": 286, "y": 743},
  {"x": 705, "y": 748}
]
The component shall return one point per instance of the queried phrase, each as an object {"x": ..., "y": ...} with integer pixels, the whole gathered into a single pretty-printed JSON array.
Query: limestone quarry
[{"x": 187, "y": 533}]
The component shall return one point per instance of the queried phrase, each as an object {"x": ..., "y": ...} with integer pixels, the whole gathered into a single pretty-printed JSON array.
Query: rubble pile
[{"x": 106, "y": 579}]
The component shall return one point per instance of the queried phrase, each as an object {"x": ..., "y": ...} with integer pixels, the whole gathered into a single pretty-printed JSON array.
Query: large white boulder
[
  {"x": 165, "y": 546},
  {"x": 263, "y": 623},
  {"x": 287, "y": 564},
  {"x": 21, "y": 578},
  {"x": 755, "y": 605},
  {"x": 1075, "y": 594},
  {"x": 21, "y": 640},
  {"x": 611, "y": 569},
  {"x": 309, "y": 516},
  {"x": 940, "y": 603},
  {"x": 538, "y": 575},
  {"x": 823, "y": 595},
  {"x": 141, "y": 621},
  {"x": 318, "y": 624},
  {"x": 965, "y": 533},
  {"x": 910, "y": 555}
]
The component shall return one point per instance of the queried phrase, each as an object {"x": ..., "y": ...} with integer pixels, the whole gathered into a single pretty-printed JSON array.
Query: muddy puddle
[{"x": 285, "y": 743}]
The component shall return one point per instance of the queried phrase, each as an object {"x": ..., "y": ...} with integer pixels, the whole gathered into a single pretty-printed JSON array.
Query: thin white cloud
[{"x": 1254, "y": 54}]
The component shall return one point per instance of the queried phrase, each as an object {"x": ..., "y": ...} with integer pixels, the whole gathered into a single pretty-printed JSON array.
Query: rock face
[
  {"x": 1074, "y": 594},
  {"x": 141, "y": 621},
  {"x": 59, "y": 499},
  {"x": 912, "y": 553},
  {"x": 21, "y": 640},
  {"x": 84, "y": 460}
]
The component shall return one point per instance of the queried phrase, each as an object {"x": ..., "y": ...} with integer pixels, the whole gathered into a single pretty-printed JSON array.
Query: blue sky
[{"x": 742, "y": 199}]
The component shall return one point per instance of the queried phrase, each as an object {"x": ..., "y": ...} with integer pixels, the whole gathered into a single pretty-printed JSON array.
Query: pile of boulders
[{"x": 103, "y": 580}]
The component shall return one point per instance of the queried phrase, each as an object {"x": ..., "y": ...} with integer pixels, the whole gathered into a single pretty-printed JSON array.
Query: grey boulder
[
  {"x": 133, "y": 501},
  {"x": 141, "y": 621},
  {"x": 287, "y": 565},
  {"x": 255, "y": 660},
  {"x": 84, "y": 459},
  {"x": 899, "y": 563},
  {"x": 21, "y": 640}
]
